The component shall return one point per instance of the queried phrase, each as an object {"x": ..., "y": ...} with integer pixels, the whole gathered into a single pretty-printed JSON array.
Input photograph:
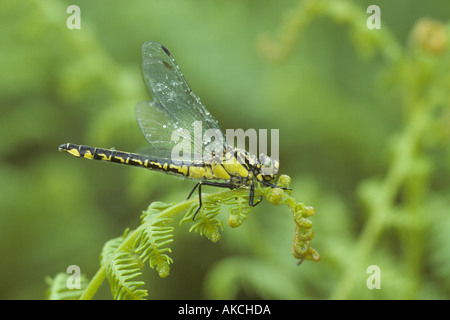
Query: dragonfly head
[{"x": 269, "y": 167}]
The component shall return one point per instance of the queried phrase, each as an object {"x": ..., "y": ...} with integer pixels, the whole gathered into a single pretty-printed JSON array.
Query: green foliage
[
  {"x": 58, "y": 288},
  {"x": 207, "y": 224},
  {"x": 121, "y": 269},
  {"x": 123, "y": 258},
  {"x": 153, "y": 237}
]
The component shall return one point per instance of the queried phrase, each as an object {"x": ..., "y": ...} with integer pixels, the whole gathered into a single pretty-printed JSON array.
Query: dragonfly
[{"x": 175, "y": 111}]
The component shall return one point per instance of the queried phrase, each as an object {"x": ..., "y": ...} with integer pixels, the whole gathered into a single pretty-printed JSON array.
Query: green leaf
[
  {"x": 60, "y": 290},
  {"x": 121, "y": 270},
  {"x": 152, "y": 241}
]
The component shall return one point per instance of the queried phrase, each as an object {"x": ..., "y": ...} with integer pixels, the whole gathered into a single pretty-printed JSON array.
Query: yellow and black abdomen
[
  {"x": 126, "y": 158},
  {"x": 93, "y": 153},
  {"x": 196, "y": 171}
]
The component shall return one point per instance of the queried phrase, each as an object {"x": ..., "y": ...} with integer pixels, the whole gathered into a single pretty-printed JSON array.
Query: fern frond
[
  {"x": 239, "y": 210},
  {"x": 121, "y": 270},
  {"x": 110, "y": 247},
  {"x": 206, "y": 224},
  {"x": 301, "y": 247},
  {"x": 122, "y": 258},
  {"x": 152, "y": 239},
  {"x": 153, "y": 209},
  {"x": 59, "y": 290}
]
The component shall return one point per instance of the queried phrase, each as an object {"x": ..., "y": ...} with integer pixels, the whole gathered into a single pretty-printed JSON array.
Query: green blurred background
[{"x": 364, "y": 124}]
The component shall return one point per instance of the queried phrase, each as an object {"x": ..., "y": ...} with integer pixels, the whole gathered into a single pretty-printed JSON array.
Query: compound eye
[
  {"x": 262, "y": 158},
  {"x": 267, "y": 162},
  {"x": 276, "y": 164}
]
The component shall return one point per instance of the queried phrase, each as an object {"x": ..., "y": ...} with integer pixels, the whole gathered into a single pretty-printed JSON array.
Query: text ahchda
[{"x": 243, "y": 309}]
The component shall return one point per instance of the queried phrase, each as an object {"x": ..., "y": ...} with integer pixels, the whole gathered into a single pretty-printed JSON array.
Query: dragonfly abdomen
[
  {"x": 82, "y": 151},
  {"x": 200, "y": 171},
  {"x": 127, "y": 158},
  {"x": 196, "y": 171}
]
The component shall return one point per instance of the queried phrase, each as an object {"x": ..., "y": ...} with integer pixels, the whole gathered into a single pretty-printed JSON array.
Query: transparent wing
[
  {"x": 157, "y": 126},
  {"x": 174, "y": 107}
]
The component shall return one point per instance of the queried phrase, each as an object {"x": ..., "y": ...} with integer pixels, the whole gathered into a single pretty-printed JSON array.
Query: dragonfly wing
[
  {"x": 157, "y": 126},
  {"x": 175, "y": 101}
]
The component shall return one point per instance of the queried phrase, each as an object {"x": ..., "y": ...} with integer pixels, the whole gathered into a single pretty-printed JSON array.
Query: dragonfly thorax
[{"x": 243, "y": 167}]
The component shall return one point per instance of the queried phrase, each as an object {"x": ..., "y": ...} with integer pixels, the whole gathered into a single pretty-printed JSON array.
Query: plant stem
[
  {"x": 381, "y": 201},
  {"x": 95, "y": 283}
]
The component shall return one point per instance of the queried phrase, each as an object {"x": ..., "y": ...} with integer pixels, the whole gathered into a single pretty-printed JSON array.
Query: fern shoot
[{"x": 123, "y": 258}]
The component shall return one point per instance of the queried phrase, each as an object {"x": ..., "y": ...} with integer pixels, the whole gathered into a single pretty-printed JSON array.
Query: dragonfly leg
[
  {"x": 207, "y": 183},
  {"x": 190, "y": 194},
  {"x": 252, "y": 196},
  {"x": 268, "y": 184}
]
